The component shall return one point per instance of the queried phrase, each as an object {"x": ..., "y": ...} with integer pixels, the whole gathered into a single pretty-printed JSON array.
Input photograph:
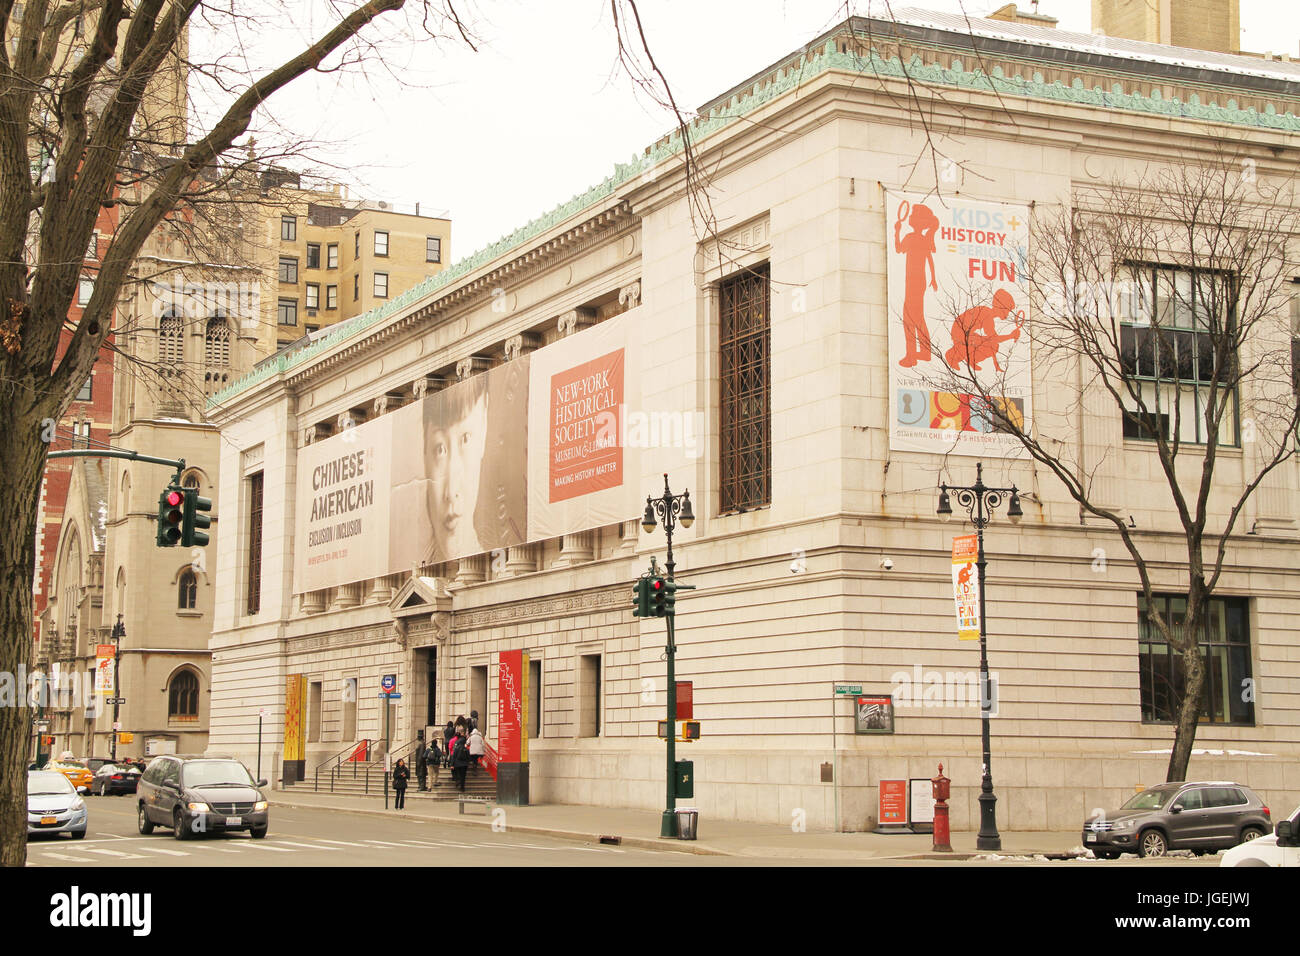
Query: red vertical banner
[
  {"x": 512, "y": 706},
  {"x": 685, "y": 700}
]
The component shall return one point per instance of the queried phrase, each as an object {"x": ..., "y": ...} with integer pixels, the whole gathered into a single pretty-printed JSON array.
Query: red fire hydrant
[{"x": 939, "y": 788}]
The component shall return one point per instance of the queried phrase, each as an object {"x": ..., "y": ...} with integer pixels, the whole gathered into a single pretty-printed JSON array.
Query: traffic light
[
  {"x": 658, "y": 597},
  {"x": 194, "y": 518},
  {"x": 641, "y": 598},
  {"x": 690, "y": 729},
  {"x": 171, "y": 517},
  {"x": 670, "y": 598}
]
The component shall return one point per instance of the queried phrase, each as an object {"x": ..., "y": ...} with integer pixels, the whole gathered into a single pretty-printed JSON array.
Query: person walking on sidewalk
[
  {"x": 433, "y": 760},
  {"x": 401, "y": 775},
  {"x": 460, "y": 763},
  {"x": 476, "y": 748}
]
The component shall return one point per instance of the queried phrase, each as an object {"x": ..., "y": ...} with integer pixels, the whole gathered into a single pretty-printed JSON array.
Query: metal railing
[{"x": 352, "y": 753}]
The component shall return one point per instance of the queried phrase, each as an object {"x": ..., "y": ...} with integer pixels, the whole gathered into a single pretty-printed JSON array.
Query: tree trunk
[
  {"x": 23, "y": 454},
  {"x": 1189, "y": 708}
]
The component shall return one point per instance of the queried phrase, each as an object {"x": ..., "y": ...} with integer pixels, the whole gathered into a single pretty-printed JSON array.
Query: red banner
[
  {"x": 512, "y": 706},
  {"x": 893, "y": 803},
  {"x": 586, "y": 454}
]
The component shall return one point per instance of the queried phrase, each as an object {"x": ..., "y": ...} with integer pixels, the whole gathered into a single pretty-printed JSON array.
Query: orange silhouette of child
[
  {"x": 975, "y": 336},
  {"x": 918, "y": 247}
]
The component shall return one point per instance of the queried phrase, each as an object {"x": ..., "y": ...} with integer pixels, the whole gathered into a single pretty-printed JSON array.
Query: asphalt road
[{"x": 328, "y": 838}]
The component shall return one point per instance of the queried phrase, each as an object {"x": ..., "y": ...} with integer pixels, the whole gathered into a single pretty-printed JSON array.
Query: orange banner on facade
[
  {"x": 295, "y": 696},
  {"x": 586, "y": 451}
]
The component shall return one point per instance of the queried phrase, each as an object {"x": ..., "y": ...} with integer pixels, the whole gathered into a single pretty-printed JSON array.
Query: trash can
[{"x": 688, "y": 821}]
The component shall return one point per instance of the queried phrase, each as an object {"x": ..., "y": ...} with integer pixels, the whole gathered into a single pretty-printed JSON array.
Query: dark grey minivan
[
  {"x": 197, "y": 795},
  {"x": 1203, "y": 817}
]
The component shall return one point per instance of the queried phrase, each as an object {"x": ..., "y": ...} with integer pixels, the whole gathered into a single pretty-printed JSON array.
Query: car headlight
[
  {"x": 78, "y": 804},
  {"x": 259, "y": 806},
  {"x": 1123, "y": 825},
  {"x": 198, "y": 807}
]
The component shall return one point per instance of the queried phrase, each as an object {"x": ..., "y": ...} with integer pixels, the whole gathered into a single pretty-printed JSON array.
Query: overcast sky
[{"x": 494, "y": 138}]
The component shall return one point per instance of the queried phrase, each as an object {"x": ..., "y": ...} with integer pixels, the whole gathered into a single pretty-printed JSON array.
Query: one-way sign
[{"x": 115, "y": 700}]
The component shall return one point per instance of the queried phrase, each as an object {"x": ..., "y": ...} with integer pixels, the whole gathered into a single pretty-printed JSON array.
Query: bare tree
[
  {"x": 81, "y": 131},
  {"x": 1160, "y": 306}
]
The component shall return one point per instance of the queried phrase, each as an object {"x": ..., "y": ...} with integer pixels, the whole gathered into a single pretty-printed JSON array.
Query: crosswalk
[{"x": 116, "y": 850}]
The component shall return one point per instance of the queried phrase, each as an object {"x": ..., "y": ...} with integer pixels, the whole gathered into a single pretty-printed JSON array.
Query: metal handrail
[{"x": 347, "y": 753}]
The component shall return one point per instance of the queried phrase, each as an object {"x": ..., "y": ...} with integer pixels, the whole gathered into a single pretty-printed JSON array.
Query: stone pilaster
[{"x": 577, "y": 548}]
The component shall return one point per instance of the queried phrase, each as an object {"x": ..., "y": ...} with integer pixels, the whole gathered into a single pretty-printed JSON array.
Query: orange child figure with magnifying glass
[
  {"x": 975, "y": 337},
  {"x": 918, "y": 247}
]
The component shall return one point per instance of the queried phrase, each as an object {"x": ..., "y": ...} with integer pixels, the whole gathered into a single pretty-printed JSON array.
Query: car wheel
[
  {"x": 1251, "y": 833},
  {"x": 179, "y": 830},
  {"x": 145, "y": 824},
  {"x": 259, "y": 833},
  {"x": 78, "y": 834},
  {"x": 1152, "y": 843}
]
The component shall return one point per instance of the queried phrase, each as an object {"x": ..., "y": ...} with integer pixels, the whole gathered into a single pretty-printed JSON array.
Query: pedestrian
[
  {"x": 460, "y": 763},
  {"x": 447, "y": 733},
  {"x": 472, "y": 724},
  {"x": 476, "y": 747},
  {"x": 401, "y": 774},
  {"x": 421, "y": 766},
  {"x": 433, "y": 759}
]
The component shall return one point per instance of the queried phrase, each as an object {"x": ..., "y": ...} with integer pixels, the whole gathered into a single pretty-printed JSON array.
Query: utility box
[{"x": 685, "y": 779}]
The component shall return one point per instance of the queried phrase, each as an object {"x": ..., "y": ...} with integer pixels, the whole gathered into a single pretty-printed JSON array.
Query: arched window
[
  {"x": 190, "y": 480},
  {"x": 183, "y": 697},
  {"x": 189, "y": 589},
  {"x": 171, "y": 342},
  {"x": 124, "y": 504},
  {"x": 121, "y": 591},
  {"x": 216, "y": 343}
]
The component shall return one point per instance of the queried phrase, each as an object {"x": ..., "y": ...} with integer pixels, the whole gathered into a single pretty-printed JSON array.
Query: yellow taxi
[{"x": 78, "y": 775}]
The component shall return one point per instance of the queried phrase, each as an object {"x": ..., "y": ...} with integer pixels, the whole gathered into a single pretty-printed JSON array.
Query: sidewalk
[{"x": 640, "y": 828}]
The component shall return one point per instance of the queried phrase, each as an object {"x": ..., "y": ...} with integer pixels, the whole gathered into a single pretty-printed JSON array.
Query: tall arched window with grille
[
  {"x": 188, "y": 591},
  {"x": 183, "y": 696},
  {"x": 216, "y": 355},
  {"x": 171, "y": 342}
]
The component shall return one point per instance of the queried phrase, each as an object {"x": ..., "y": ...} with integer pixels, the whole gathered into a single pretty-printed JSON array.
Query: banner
[
  {"x": 105, "y": 663},
  {"x": 554, "y": 442},
  {"x": 965, "y": 586},
  {"x": 512, "y": 707},
  {"x": 958, "y": 302},
  {"x": 295, "y": 699}
]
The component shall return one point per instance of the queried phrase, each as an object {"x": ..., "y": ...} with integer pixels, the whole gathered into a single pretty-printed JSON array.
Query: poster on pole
[
  {"x": 104, "y": 668},
  {"x": 512, "y": 707},
  {"x": 958, "y": 303},
  {"x": 965, "y": 586}
]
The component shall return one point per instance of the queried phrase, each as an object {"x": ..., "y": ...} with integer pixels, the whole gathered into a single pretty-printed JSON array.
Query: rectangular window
[
  {"x": 85, "y": 393},
  {"x": 1168, "y": 351},
  {"x": 332, "y": 256},
  {"x": 356, "y": 287},
  {"x": 313, "y": 295},
  {"x": 331, "y": 297},
  {"x": 356, "y": 245},
  {"x": 478, "y": 695},
  {"x": 1225, "y": 653},
  {"x": 254, "y": 596},
  {"x": 745, "y": 391},
  {"x": 534, "y": 699},
  {"x": 288, "y": 269},
  {"x": 432, "y": 249},
  {"x": 381, "y": 243},
  {"x": 85, "y": 289},
  {"x": 288, "y": 228},
  {"x": 286, "y": 312},
  {"x": 313, "y": 255},
  {"x": 589, "y": 695},
  {"x": 381, "y": 285},
  {"x": 309, "y": 329},
  {"x": 313, "y": 711},
  {"x": 349, "y": 709},
  {"x": 92, "y": 252}
]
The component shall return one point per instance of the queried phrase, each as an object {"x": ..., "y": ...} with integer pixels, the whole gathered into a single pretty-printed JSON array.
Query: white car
[
  {"x": 53, "y": 805},
  {"x": 1280, "y": 848}
]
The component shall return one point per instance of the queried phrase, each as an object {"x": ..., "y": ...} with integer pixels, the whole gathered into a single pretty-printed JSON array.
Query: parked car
[
  {"x": 1204, "y": 817},
  {"x": 54, "y": 806},
  {"x": 197, "y": 794},
  {"x": 1279, "y": 848},
  {"x": 78, "y": 775},
  {"x": 112, "y": 778}
]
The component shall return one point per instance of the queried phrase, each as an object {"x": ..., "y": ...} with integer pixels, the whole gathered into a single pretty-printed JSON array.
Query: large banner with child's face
[
  {"x": 958, "y": 301},
  {"x": 551, "y": 443}
]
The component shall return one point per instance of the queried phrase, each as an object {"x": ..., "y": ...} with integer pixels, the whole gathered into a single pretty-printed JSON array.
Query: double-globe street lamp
[
  {"x": 671, "y": 509},
  {"x": 980, "y": 501}
]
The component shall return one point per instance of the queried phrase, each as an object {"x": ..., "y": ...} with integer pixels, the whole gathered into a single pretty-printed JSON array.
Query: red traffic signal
[{"x": 171, "y": 517}]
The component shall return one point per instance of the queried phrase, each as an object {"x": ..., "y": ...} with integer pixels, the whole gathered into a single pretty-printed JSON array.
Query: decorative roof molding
[{"x": 772, "y": 86}]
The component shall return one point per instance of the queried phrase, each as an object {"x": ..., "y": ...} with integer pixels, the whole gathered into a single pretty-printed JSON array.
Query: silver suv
[{"x": 1203, "y": 817}]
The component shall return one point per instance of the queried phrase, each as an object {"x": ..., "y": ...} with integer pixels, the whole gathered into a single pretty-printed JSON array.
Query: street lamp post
[
  {"x": 119, "y": 632},
  {"x": 980, "y": 501},
  {"x": 671, "y": 509}
]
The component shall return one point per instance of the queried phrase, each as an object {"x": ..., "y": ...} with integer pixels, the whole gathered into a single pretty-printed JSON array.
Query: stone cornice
[{"x": 585, "y": 602}]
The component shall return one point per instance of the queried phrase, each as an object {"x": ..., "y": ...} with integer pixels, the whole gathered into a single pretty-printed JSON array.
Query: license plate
[
  {"x": 49, "y": 821},
  {"x": 1091, "y": 838},
  {"x": 234, "y": 821}
]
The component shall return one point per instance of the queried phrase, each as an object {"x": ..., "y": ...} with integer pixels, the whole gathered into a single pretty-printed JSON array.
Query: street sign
[
  {"x": 41, "y": 723},
  {"x": 117, "y": 725},
  {"x": 388, "y": 683},
  {"x": 853, "y": 689},
  {"x": 264, "y": 713},
  {"x": 115, "y": 700},
  {"x": 392, "y": 696}
]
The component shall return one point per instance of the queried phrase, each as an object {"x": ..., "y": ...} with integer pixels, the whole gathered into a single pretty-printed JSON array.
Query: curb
[{"x": 643, "y": 843}]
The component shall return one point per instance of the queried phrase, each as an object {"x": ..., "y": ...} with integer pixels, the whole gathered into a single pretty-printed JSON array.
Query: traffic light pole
[
  {"x": 668, "y": 826},
  {"x": 119, "y": 632}
]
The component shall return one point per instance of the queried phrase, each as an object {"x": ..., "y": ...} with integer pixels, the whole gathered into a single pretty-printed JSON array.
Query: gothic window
[{"x": 183, "y": 697}]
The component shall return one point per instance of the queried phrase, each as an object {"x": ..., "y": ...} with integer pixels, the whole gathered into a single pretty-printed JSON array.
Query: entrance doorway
[{"x": 431, "y": 675}]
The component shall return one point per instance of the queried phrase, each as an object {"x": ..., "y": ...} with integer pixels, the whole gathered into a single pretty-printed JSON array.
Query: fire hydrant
[{"x": 939, "y": 789}]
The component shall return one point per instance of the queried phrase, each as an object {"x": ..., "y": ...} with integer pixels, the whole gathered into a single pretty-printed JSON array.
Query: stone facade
[{"x": 845, "y": 577}]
